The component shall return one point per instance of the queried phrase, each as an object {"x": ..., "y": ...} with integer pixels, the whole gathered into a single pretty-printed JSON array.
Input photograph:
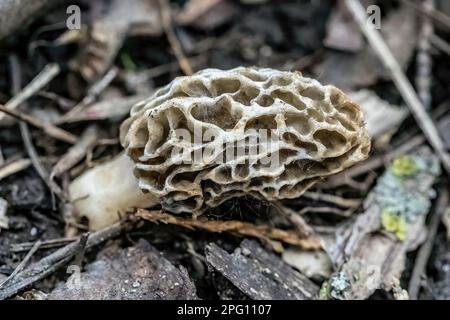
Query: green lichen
[
  {"x": 404, "y": 166},
  {"x": 395, "y": 224},
  {"x": 401, "y": 194}
]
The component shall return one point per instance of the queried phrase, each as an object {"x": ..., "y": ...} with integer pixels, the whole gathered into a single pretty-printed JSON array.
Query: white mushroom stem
[{"x": 106, "y": 192}]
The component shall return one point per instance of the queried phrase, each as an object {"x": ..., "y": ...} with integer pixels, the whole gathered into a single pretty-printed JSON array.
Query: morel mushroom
[{"x": 313, "y": 131}]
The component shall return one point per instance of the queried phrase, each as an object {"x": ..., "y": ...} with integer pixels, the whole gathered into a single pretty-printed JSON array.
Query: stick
[
  {"x": 438, "y": 16},
  {"x": 339, "y": 201},
  {"x": 424, "y": 62},
  {"x": 77, "y": 152},
  {"x": 45, "y": 244},
  {"x": 42, "y": 79},
  {"x": 401, "y": 81},
  {"x": 237, "y": 227},
  {"x": 171, "y": 36},
  {"x": 14, "y": 166},
  {"x": 93, "y": 92},
  {"x": 49, "y": 129},
  {"x": 34, "y": 157},
  {"x": 300, "y": 224},
  {"x": 440, "y": 44},
  {"x": 22, "y": 264},
  {"x": 425, "y": 250}
]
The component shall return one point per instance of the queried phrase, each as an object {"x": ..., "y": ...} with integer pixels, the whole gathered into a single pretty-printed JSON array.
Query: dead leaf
[
  {"x": 381, "y": 117},
  {"x": 342, "y": 31},
  {"x": 206, "y": 14},
  {"x": 113, "y": 22}
]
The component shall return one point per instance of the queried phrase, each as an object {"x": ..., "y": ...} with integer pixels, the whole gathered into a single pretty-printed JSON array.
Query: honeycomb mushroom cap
[{"x": 320, "y": 132}]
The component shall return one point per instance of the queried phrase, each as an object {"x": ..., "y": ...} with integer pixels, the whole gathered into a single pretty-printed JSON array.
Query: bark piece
[
  {"x": 260, "y": 274},
  {"x": 136, "y": 273}
]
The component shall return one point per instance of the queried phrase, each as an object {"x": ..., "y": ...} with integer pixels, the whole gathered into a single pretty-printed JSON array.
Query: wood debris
[
  {"x": 370, "y": 251},
  {"x": 140, "y": 272},
  {"x": 260, "y": 274},
  {"x": 52, "y": 262}
]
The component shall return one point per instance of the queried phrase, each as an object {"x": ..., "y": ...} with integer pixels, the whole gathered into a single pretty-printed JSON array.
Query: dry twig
[
  {"x": 425, "y": 251},
  {"x": 13, "y": 166},
  {"x": 424, "y": 62},
  {"x": 45, "y": 244},
  {"x": 48, "y": 128},
  {"x": 32, "y": 153},
  {"x": 440, "y": 44},
  {"x": 327, "y": 210},
  {"x": 339, "y": 201},
  {"x": 185, "y": 66},
  {"x": 438, "y": 16},
  {"x": 235, "y": 227},
  {"x": 301, "y": 225},
  {"x": 42, "y": 79},
  {"x": 93, "y": 92}
]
